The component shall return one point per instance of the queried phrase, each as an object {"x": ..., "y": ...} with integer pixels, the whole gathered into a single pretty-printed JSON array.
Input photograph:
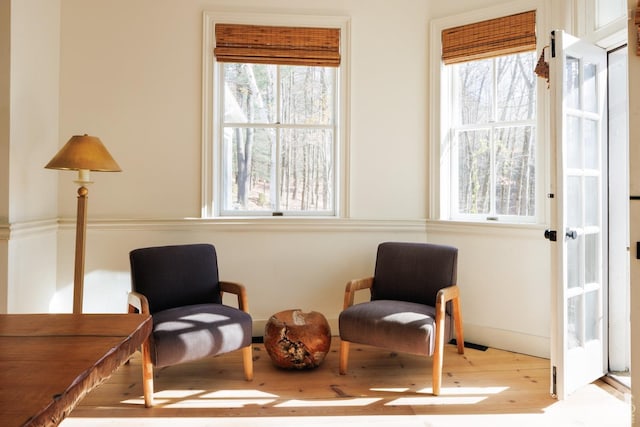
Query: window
[
  {"x": 488, "y": 120},
  {"x": 278, "y": 143},
  {"x": 278, "y": 131},
  {"x": 493, "y": 133}
]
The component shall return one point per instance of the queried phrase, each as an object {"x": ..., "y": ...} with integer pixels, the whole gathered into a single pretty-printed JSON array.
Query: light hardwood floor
[{"x": 480, "y": 388}]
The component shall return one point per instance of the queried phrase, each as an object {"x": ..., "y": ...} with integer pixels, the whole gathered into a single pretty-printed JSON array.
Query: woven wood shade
[
  {"x": 277, "y": 45},
  {"x": 491, "y": 38}
]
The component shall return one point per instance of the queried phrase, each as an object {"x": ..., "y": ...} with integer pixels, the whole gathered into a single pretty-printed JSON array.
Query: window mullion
[
  {"x": 492, "y": 142},
  {"x": 278, "y": 148}
]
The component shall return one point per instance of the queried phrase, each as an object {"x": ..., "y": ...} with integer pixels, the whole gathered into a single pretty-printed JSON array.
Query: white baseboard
[{"x": 503, "y": 339}]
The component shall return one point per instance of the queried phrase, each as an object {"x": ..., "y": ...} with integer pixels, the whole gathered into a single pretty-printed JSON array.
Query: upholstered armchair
[
  {"x": 179, "y": 286},
  {"x": 413, "y": 306}
]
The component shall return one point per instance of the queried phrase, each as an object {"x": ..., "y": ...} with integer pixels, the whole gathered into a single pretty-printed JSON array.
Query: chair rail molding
[
  {"x": 253, "y": 224},
  {"x": 22, "y": 229}
]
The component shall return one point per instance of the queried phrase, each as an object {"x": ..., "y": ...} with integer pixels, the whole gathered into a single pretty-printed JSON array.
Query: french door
[{"x": 578, "y": 129}]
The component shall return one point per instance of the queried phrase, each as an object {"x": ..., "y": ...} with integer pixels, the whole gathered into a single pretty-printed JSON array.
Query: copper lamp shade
[{"x": 84, "y": 152}]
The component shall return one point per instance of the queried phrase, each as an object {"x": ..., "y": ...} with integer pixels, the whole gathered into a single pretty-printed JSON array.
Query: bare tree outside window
[
  {"x": 494, "y": 136},
  {"x": 279, "y": 131}
]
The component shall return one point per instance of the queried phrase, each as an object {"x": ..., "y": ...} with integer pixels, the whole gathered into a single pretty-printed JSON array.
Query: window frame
[
  {"x": 441, "y": 104},
  {"x": 212, "y": 191}
]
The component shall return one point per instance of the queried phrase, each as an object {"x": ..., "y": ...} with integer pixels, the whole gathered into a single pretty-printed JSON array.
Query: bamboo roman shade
[
  {"x": 491, "y": 38},
  {"x": 277, "y": 45}
]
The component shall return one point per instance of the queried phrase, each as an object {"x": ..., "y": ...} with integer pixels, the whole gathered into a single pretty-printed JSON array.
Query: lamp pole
[{"x": 81, "y": 226}]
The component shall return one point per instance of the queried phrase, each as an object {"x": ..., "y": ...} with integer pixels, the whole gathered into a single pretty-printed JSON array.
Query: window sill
[{"x": 484, "y": 227}]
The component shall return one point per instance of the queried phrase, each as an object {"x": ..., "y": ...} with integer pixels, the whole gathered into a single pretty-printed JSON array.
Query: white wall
[
  {"x": 29, "y": 136},
  {"x": 35, "y": 47}
]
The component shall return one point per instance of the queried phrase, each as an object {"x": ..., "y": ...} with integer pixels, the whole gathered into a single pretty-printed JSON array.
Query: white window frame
[
  {"x": 606, "y": 34},
  {"x": 212, "y": 86},
  {"x": 440, "y": 182}
]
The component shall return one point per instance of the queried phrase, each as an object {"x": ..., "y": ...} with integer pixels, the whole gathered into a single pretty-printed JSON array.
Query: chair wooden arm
[
  {"x": 451, "y": 293},
  {"x": 353, "y": 286},
  {"x": 448, "y": 293},
  {"x": 236, "y": 289},
  {"x": 138, "y": 303}
]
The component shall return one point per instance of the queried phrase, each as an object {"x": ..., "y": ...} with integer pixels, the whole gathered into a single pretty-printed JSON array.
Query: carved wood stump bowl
[{"x": 297, "y": 340}]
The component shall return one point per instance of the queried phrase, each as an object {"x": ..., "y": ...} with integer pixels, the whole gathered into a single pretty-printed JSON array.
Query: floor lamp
[{"x": 83, "y": 153}]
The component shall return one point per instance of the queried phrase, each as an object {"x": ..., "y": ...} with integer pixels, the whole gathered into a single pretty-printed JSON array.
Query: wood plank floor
[{"x": 480, "y": 388}]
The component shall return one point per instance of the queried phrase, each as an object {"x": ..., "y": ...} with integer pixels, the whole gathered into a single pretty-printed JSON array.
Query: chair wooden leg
[
  {"x": 344, "y": 356},
  {"x": 247, "y": 361},
  {"x": 457, "y": 318},
  {"x": 439, "y": 348},
  {"x": 147, "y": 374},
  {"x": 437, "y": 361}
]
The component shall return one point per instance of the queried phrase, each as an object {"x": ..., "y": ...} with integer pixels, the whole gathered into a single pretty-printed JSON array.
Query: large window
[
  {"x": 279, "y": 139},
  {"x": 277, "y": 127},
  {"x": 488, "y": 133},
  {"x": 493, "y": 134}
]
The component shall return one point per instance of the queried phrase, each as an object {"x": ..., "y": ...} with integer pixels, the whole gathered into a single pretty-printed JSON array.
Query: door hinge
[{"x": 554, "y": 384}]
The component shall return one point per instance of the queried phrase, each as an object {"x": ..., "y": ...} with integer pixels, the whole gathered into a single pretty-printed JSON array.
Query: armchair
[
  {"x": 414, "y": 300},
  {"x": 179, "y": 286}
]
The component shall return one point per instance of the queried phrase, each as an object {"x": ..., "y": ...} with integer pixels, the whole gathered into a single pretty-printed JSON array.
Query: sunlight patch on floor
[
  {"x": 475, "y": 420},
  {"x": 218, "y": 403},
  {"x": 310, "y": 421},
  {"x": 207, "y": 399},
  {"x": 457, "y": 391},
  {"x": 313, "y": 403},
  {"x": 619, "y": 412},
  {"x": 176, "y": 394},
  {"x": 390, "y": 390},
  {"x": 524, "y": 420},
  {"x": 436, "y": 400},
  {"x": 247, "y": 397},
  {"x": 234, "y": 394}
]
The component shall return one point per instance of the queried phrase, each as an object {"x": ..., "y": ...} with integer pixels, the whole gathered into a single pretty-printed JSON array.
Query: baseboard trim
[{"x": 507, "y": 340}]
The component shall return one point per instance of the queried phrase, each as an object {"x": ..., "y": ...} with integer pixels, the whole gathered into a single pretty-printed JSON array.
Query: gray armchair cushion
[
  {"x": 188, "y": 333},
  {"x": 175, "y": 276},
  {"x": 395, "y": 325},
  {"x": 413, "y": 272}
]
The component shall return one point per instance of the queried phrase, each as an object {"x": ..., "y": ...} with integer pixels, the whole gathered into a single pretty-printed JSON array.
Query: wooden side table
[{"x": 297, "y": 340}]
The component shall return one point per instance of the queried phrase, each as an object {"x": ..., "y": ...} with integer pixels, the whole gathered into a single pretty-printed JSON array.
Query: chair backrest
[
  {"x": 413, "y": 272},
  {"x": 175, "y": 276}
]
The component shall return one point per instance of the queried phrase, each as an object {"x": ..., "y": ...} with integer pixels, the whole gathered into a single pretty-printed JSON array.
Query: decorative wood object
[{"x": 297, "y": 340}]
